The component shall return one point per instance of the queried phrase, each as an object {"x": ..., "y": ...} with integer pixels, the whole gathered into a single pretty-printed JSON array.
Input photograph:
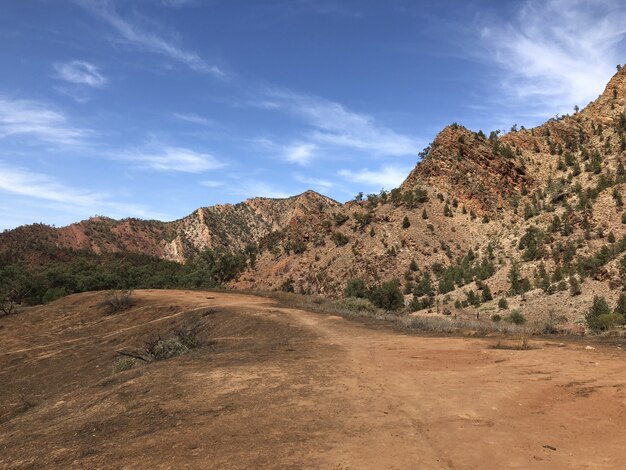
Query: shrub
[
  {"x": 574, "y": 286},
  {"x": 339, "y": 238},
  {"x": 516, "y": 317},
  {"x": 287, "y": 286},
  {"x": 503, "y": 304},
  {"x": 496, "y": 318},
  {"x": 54, "y": 293},
  {"x": 355, "y": 288},
  {"x": 117, "y": 300},
  {"x": 486, "y": 294},
  {"x": 599, "y": 317},
  {"x": 122, "y": 364},
  {"x": 405, "y": 222},
  {"x": 609, "y": 320},
  {"x": 388, "y": 295}
]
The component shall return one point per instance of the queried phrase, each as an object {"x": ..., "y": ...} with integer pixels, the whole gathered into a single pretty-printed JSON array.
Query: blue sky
[{"x": 152, "y": 108}]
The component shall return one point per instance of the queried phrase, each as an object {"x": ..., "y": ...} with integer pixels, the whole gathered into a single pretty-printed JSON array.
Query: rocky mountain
[{"x": 527, "y": 215}]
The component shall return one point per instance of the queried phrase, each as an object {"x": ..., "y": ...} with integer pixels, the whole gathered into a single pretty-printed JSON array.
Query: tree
[
  {"x": 486, "y": 294},
  {"x": 424, "y": 214},
  {"x": 447, "y": 211},
  {"x": 405, "y": 222},
  {"x": 599, "y": 316},
  {"x": 515, "y": 278}
]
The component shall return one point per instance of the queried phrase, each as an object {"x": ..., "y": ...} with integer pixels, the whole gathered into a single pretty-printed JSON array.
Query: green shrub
[
  {"x": 496, "y": 318},
  {"x": 355, "y": 288},
  {"x": 287, "y": 286},
  {"x": 516, "y": 317},
  {"x": 339, "y": 238},
  {"x": 54, "y": 293},
  {"x": 405, "y": 222},
  {"x": 388, "y": 295},
  {"x": 503, "y": 304},
  {"x": 598, "y": 316}
]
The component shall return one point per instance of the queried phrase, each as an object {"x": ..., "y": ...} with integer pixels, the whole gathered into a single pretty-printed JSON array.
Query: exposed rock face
[{"x": 469, "y": 166}]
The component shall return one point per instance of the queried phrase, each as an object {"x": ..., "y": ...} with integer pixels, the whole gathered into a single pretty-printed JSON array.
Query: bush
[
  {"x": 117, "y": 300},
  {"x": 387, "y": 296},
  {"x": 607, "y": 321},
  {"x": 122, "y": 364},
  {"x": 516, "y": 317},
  {"x": 405, "y": 222},
  {"x": 287, "y": 286},
  {"x": 339, "y": 238},
  {"x": 355, "y": 288},
  {"x": 54, "y": 293},
  {"x": 503, "y": 304},
  {"x": 496, "y": 318},
  {"x": 599, "y": 315}
]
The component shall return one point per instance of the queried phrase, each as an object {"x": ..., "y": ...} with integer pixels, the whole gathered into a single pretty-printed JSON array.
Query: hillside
[{"x": 547, "y": 201}]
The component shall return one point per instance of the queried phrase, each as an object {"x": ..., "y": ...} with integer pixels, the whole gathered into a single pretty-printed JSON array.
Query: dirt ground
[{"x": 281, "y": 388}]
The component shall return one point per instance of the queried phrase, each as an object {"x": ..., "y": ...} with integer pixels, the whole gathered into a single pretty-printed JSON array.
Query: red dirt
[{"x": 285, "y": 388}]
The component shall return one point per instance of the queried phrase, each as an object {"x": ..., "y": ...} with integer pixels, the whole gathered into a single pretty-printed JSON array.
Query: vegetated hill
[{"x": 527, "y": 215}]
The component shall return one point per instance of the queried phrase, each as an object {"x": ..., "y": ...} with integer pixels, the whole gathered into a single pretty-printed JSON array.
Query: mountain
[{"x": 544, "y": 202}]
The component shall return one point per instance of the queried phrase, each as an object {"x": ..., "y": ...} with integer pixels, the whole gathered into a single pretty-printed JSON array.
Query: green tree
[{"x": 405, "y": 222}]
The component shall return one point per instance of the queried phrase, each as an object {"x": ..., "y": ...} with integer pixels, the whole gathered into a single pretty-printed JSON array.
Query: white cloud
[
  {"x": 212, "y": 183},
  {"x": 387, "y": 177},
  {"x": 80, "y": 72},
  {"x": 558, "y": 53},
  {"x": 37, "y": 120},
  {"x": 173, "y": 159},
  {"x": 147, "y": 40},
  {"x": 331, "y": 124},
  {"x": 313, "y": 182},
  {"x": 80, "y": 202},
  {"x": 193, "y": 119},
  {"x": 254, "y": 188},
  {"x": 300, "y": 153}
]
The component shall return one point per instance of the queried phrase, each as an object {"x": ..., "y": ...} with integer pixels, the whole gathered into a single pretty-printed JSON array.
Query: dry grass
[{"x": 117, "y": 301}]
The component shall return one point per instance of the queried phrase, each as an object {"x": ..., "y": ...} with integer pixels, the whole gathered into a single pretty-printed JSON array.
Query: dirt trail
[{"x": 285, "y": 388}]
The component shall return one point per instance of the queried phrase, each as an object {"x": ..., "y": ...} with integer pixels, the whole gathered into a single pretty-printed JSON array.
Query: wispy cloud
[
  {"x": 79, "y": 202},
  {"x": 332, "y": 124},
  {"x": 255, "y": 188},
  {"x": 193, "y": 119},
  {"x": 172, "y": 159},
  {"x": 316, "y": 183},
  {"x": 387, "y": 177},
  {"x": 558, "y": 53},
  {"x": 212, "y": 183},
  {"x": 300, "y": 153},
  {"x": 148, "y": 40},
  {"x": 80, "y": 72},
  {"x": 37, "y": 120}
]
